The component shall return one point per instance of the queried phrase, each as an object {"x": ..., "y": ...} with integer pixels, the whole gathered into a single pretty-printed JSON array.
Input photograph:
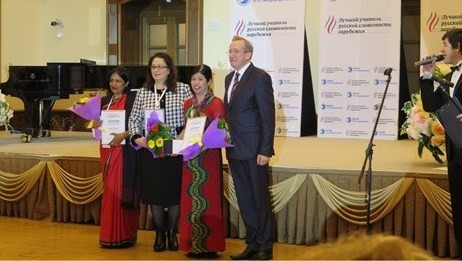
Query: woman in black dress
[{"x": 160, "y": 178}]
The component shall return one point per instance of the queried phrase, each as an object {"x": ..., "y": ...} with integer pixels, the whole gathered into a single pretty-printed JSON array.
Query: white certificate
[
  {"x": 193, "y": 131},
  {"x": 147, "y": 114},
  {"x": 112, "y": 122}
]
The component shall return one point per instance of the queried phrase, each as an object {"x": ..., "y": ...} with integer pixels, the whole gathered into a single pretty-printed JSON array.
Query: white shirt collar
[{"x": 242, "y": 70}]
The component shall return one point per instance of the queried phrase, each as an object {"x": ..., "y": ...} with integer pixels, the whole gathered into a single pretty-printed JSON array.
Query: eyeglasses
[{"x": 157, "y": 67}]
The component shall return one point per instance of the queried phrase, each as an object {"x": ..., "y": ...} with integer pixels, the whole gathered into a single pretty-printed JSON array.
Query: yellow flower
[
  {"x": 151, "y": 144},
  {"x": 160, "y": 142},
  {"x": 419, "y": 105},
  {"x": 84, "y": 100},
  {"x": 158, "y": 132}
]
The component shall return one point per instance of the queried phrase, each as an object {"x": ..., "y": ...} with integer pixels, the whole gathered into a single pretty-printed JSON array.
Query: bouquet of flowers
[
  {"x": 215, "y": 136},
  {"x": 6, "y": 113},
  {"x": 423, "y": 127},
  {"x": 89, "y": 108},
  {"x": 157, "y": 134}
]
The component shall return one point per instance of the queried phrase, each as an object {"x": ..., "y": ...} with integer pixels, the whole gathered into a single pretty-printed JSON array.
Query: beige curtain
[
  {"x": 309, "y": 208},
  {"x": 347, "y": 204}
]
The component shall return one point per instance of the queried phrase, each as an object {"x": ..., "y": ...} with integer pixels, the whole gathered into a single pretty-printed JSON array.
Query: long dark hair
[
  {"x": 171, "y": 78},
  {"x": 204, "y": 70},
  {"x": 207, "y": 72}
]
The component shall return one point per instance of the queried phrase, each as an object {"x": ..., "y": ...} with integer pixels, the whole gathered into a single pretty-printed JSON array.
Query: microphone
[
  {"x": 437, "y": 58},
  {"x": 388, "y": 71},
  {"x": 441, "y": 81}
]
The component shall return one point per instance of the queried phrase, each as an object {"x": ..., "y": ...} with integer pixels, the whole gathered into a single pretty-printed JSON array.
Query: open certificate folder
[
  {"x": 453, "y": 126},
  {"x": 113, "y": 122},
  {"x": 193, "y": 131}
]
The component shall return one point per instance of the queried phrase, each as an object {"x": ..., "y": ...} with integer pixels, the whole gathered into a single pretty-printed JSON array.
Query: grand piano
[{"x": 39, "y": 87}]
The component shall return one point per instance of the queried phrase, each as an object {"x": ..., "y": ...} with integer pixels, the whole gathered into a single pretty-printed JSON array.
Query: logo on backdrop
[
  {"x": 239, "y": 28},
  {"x": 330, "y": 24},
  {"x": 443, "y": 22},
  {"x": 243, "y": 2},
  {"x": 432, "y": 21}
]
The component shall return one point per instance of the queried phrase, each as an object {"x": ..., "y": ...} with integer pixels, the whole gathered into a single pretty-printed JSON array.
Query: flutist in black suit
[
  {"x": 432, "y": 100},
  {"x": 250, "y": 114}
]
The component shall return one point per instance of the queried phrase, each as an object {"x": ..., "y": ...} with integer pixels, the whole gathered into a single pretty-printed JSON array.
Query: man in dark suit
[
  {"x": 432, "y": 100},
  {"x": 250, "y": 114}
]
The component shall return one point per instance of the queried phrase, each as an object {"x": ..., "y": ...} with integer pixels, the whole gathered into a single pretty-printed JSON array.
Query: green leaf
[
  {"x": 425, "y": 139},
  {"x": 437, "y": 158},
  {"x": 420, "y": 149},
  {"x": 439, "y": 151}
]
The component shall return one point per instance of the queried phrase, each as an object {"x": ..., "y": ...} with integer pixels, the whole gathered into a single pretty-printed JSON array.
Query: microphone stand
[{"x": 368, "y": 157}]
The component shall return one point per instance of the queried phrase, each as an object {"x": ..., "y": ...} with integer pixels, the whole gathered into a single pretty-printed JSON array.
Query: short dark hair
[{"x": 454, "y": 38}]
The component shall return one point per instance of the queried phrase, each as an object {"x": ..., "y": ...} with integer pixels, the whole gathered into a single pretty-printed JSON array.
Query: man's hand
[
  {"x": 262, "y": 160},
  {"x": 429, "y": 67},
  {"x": 459, "y": 117}
]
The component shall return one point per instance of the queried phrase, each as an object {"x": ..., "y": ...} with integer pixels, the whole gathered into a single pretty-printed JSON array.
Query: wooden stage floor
[
  {"x": 302, "y": 155},
  {"x": 24, "y": 239}
]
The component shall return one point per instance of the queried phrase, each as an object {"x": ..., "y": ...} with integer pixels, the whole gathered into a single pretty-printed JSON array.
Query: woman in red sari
[
  {"x": 119, "y": 205},
  {"x": 201, "y": 214}
]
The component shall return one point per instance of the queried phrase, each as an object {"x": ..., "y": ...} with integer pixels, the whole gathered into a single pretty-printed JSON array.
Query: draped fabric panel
[
  {"x": 26, "y": 206},
  {"x": 77, "y": 190},
  {"x": 79, "y": 201},
  {"x": 16, "y": 187},
  {"x": 309, "y": 208}
]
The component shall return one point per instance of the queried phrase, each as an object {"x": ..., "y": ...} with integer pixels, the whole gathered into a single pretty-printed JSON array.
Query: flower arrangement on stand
[
  {"x": 6, "y": 113},
  {"x": 423, "y": 127}
]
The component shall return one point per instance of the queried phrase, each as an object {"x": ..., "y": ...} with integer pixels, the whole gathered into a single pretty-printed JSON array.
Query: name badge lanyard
[{"x": 157, "y": 101}]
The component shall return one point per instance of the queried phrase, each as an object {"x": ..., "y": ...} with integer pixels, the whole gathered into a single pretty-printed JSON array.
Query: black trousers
[{"x": 251, "y": 183}]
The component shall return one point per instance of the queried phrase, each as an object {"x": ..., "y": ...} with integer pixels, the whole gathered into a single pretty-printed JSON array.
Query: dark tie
[
  {"x": 235, "y": 83},
  {"x": 455, "y": 67}
]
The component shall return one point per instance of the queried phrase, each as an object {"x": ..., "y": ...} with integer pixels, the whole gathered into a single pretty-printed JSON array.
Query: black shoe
[
  {"x": 210, "y": 255},
  {"x": 247, "y": 254},
  {"x": 263, "y": 255},
  {"x": 204, "y": 255},
  {"x": 172, "y": 240},
  {"x": 159, "y": 243},
  {"x": 195, "y": 255}
]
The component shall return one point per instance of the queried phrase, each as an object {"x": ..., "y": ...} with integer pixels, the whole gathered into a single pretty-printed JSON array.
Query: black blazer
[
  {"x": 432, "y": 100},
  {"x": 251, "y": 115}
]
